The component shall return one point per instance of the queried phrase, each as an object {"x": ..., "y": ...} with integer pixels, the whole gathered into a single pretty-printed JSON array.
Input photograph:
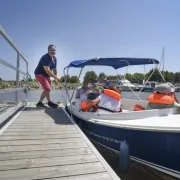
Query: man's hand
[{"x": 58, "y": 79}]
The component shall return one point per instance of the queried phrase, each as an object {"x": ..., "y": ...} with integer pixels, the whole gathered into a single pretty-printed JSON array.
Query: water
[{"x": 60, "y": 95}]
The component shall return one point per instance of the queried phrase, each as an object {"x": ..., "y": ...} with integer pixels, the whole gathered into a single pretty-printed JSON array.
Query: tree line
[
  {"x": 133, "y": 78},
  {"x": 173, "y": 77}
]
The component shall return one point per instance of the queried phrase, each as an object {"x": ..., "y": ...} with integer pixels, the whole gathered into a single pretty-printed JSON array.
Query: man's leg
[
  {"x": 47, "y": 94},
  {"x": 43, "y": 95},
  {"x": 46, "y": 85}
]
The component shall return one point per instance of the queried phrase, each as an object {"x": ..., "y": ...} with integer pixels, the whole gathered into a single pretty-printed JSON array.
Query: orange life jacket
[
  {"x": 161, "y": 99},
  {"x": 112, "y": 94},
  {"x": 85, "y": 106}
]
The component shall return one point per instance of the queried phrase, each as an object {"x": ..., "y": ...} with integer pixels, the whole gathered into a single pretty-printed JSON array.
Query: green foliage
[
  {"x": 91, "y": 75},
  {"x": 66, "y": 77},
  {"x": 74, "y": 79},
  {"x": 135, "y": 78},
  {"x": 112, "y": 77},
  {"x": 101, "y": 75}
]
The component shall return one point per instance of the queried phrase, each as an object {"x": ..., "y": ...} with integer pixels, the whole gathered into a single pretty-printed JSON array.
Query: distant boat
[
  {"x": 177, "y": 89},
  {"x": 126, "y": 85},
  {"x": 148, "y": 86}
]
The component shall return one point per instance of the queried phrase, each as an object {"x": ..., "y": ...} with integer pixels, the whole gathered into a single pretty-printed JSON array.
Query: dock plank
[
  {"x": 35, "y": 129},
  {"x": 43, "y": 154},
  {"x": 41, "y": 147},
  {"x": 47, "y": 162},
  {"x": 53, "y": 171},
  {"x": 45, "y": 136},
  {"x": 95, "y": 176},
  {"x": 38, "y": 133},
  {"x": 37, "y": 141}
]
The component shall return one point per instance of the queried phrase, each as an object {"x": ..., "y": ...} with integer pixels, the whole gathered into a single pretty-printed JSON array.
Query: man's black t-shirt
[{"x": 45, "y": 60}]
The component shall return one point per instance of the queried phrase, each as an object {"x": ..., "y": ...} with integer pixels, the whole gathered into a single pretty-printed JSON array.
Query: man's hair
[{"x": 51, "y": 46}]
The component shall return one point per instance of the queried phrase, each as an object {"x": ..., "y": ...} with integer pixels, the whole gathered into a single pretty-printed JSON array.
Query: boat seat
[{"x": 132, "y": 104}]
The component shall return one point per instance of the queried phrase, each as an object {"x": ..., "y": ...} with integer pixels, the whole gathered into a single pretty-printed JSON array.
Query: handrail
[
  {"x": 11, "y": 66},
  {"x": 17, "y": 69},
  {"x": 8, "y": 39}
]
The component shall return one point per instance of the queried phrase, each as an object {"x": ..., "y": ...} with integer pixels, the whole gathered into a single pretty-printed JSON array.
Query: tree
[
  {"x": 112, "y": 77},
  {"x": 155, "y": 77},
  {"x": 129, "y": 77},
  {"x": 138, "y": 78},
  {"x": 0, "y": 79},
  {"x": 102, "y": 75},
  {"x": 74, "y": 79},
  {"x": 177, "y": 77},
  {"x": 66, "y": 77},
  {"x": 91, "y": 75}
]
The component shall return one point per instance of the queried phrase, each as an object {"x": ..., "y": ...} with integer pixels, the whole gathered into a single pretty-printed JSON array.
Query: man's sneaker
[
  {"x": 40, "y": 104},
  {"x": 53, "y": 105}
]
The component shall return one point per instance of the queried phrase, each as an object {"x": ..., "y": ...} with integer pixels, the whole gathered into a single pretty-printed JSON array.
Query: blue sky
[{"x": 83, "y": 29}]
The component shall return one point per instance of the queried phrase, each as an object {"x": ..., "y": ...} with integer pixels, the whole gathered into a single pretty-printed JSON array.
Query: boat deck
[{"x": 47, "y": 144}]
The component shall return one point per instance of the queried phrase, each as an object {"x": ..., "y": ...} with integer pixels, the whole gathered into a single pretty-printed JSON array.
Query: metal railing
[{"x": 17, "y": 69}]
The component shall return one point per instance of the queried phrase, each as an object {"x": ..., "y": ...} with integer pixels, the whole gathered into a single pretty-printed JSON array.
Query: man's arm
[
  {"x": 55, "y": 71},
  {"x": 45, "y": 63},
  {"x": 49, "y": 72}
]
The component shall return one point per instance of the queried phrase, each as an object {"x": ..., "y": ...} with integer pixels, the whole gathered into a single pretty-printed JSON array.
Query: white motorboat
[{"x": 152, "y": 135}]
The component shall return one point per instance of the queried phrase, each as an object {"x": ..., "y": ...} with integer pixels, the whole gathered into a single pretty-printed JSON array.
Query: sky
[{"x": 83, "y": 29}]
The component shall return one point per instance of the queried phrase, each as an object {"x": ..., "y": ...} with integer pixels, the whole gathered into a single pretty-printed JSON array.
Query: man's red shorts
[{"x": 44, "y": 81}]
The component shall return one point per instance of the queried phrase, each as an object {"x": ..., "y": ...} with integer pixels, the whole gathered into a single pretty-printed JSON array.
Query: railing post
[{"x": 17, "y": 79}]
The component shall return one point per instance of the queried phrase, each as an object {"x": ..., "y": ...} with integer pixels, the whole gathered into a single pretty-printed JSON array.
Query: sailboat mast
[{"x": 163, "y": 59}]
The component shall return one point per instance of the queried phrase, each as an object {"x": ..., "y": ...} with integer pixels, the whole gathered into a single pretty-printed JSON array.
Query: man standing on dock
[{"x": 45, "y": 69}]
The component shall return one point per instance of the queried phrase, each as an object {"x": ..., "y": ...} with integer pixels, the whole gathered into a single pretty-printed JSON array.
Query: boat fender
[{"x": 124, "y": 157}]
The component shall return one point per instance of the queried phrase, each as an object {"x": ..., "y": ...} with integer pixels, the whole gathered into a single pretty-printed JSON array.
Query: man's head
[
  {"x": 85, "y": 83},
  {"x": 52, "y": 50},
  {"x": 112, "y": 86},
  {"x": 165, "y": 88}
]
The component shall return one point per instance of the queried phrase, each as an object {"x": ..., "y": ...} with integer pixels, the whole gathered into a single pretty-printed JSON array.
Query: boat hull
[{"x": 159, "y": 150}]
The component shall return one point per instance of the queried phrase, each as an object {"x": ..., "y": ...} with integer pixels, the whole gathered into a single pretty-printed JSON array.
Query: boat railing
[{"x": 16, "y": 68}]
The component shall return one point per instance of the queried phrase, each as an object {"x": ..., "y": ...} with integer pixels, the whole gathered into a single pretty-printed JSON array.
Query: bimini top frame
[{"x": 115, "y": 63}]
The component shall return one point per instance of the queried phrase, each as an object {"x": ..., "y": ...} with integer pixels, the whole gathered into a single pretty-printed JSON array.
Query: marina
[{"x": 88, "y": 123}]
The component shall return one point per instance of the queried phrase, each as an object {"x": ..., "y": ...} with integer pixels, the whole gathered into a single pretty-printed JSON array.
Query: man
[
  {"x": 45, "y": 69},
  {"x": 163, "y": 97},
  {"x": 84, "y": 88}
]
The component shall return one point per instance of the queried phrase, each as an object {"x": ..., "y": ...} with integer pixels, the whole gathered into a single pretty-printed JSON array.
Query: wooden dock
[{"x": 47, "y": 144}]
